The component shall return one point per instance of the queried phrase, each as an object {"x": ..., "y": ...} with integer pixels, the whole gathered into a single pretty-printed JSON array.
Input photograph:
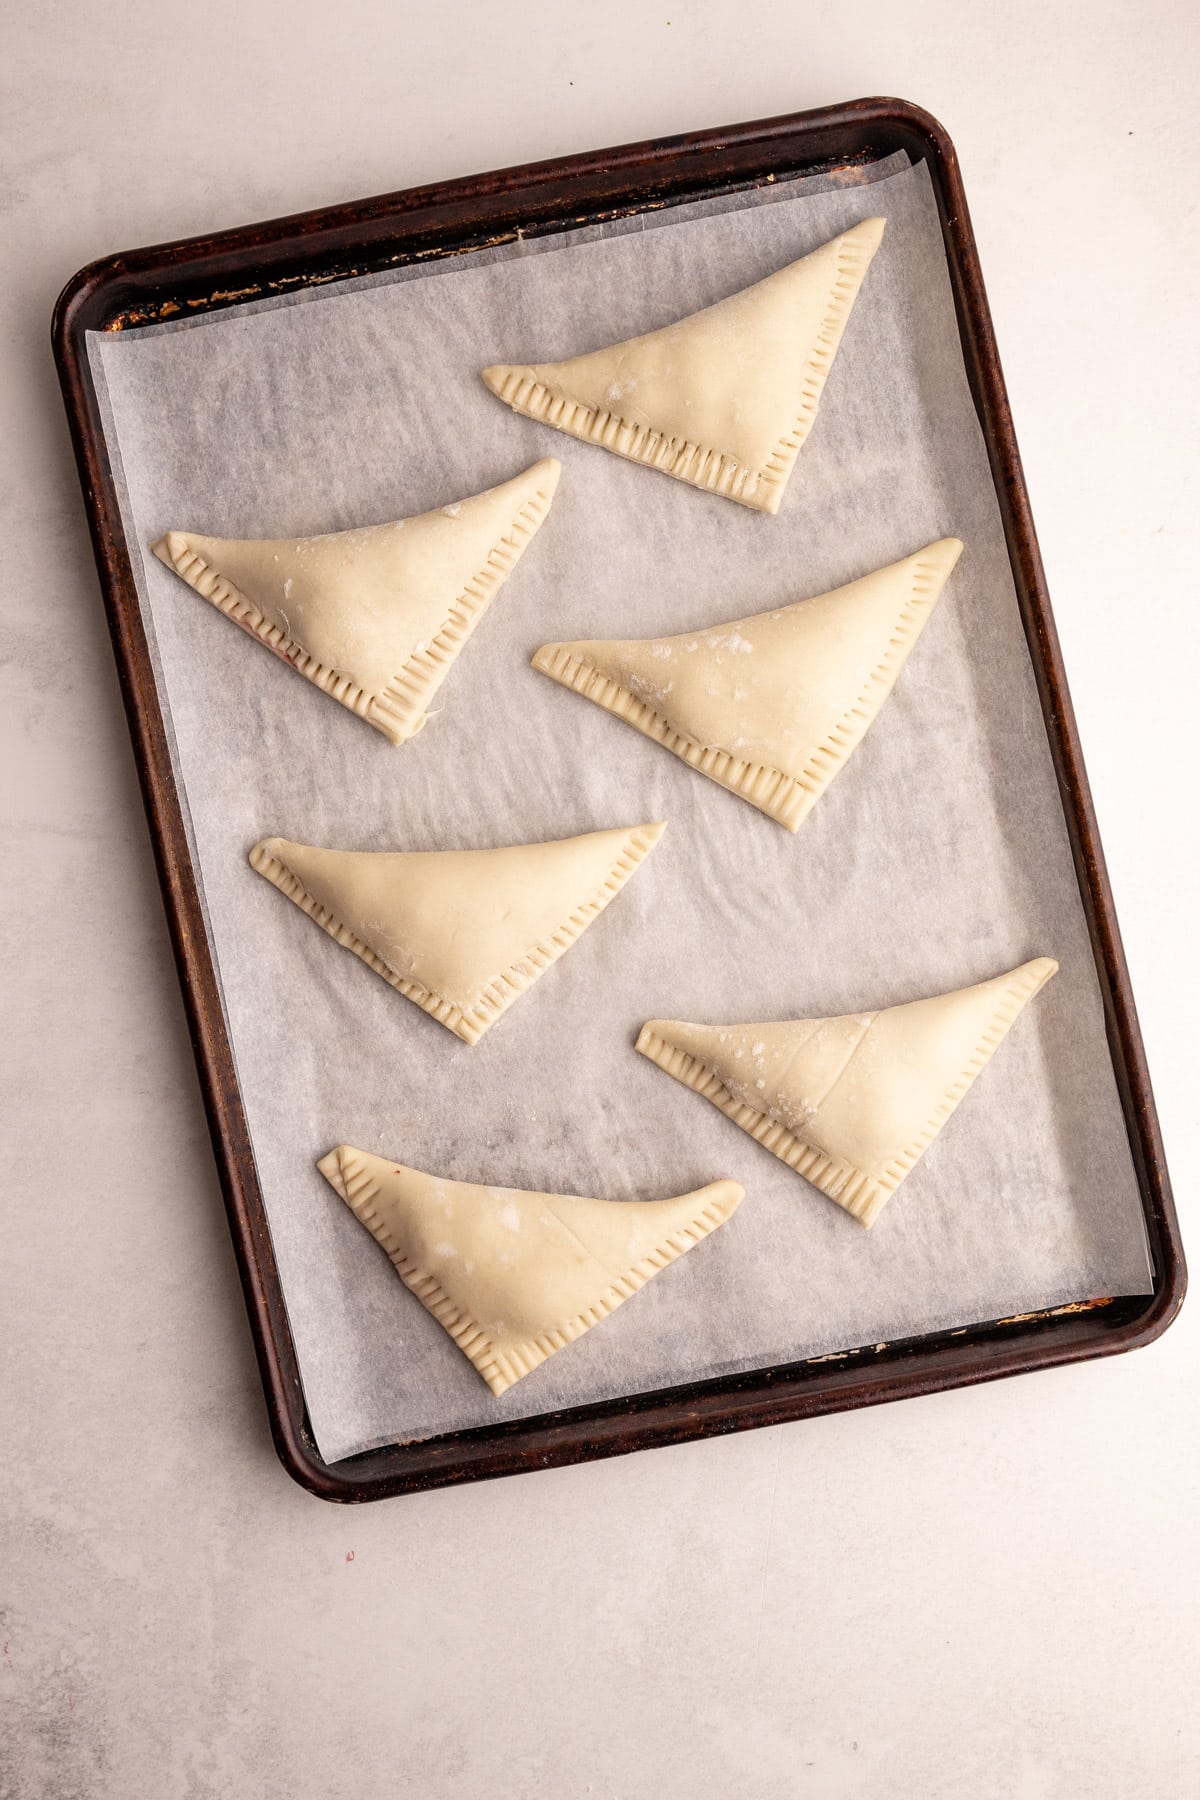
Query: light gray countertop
[{"x": 988, "y": 1593}]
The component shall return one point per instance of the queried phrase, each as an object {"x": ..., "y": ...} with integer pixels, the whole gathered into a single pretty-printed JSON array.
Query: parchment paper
[{"x": 938, "y": 856}]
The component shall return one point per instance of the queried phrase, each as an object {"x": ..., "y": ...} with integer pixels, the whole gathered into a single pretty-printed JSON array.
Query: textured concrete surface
[{"x": 989, "y": 1593}]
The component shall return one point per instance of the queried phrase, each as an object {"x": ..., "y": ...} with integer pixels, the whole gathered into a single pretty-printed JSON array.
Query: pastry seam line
[{"x": 859, "y": 1193}]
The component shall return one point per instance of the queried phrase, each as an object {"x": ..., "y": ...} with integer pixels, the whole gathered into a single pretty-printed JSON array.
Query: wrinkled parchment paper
[{"x": 936, "y": 858}]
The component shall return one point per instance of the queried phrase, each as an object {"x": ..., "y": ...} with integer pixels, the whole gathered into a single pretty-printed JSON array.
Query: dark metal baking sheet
[{"x": 151, "y": 286}]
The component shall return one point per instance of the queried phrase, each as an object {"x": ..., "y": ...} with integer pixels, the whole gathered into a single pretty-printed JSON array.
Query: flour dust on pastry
[
  {"x": 374, "y": 616},
  {"x": 514, "y": 1276},
  {"x": 722, "y": 399},
  {"x": 851, "y": 1103},
  {"x": 769, "y": 706},
  {"x": 462, "y": 932}
]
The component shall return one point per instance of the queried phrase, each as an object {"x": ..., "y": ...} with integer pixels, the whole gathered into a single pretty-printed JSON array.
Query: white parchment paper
[{"x": 937, "y": 857}]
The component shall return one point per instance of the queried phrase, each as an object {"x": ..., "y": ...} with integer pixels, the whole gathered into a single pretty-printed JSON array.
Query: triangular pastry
[
  {"x": 514, "y": 1276},
  {"x": 722, "y": 399},
  {"x": 374, "y": 616},
  {"x": 461, "y": 932},
  {"x": 851, "y": 1103},
  {"x": 769, "y": 706}
]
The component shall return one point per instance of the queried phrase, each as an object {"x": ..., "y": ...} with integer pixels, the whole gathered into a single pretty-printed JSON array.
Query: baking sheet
[{"x": 938, "y": 856}]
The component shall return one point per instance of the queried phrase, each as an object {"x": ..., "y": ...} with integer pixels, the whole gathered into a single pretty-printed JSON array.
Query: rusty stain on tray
[
  {"x": 224, "y": 294},
  {"x": 1058, "y": 1312},
  {"x": 1050, "y": 1312}
]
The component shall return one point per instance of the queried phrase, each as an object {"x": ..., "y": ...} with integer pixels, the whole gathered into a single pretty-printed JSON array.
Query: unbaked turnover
[
  {"x": 769, "y": 706},
  {"x": 376, "y": 616},
  {"x": 515, "y": 1276},
  {"x": 851, "y": 1103},
  {"x": 463, "y": 933},
  {"x": 722, "y": 399}
]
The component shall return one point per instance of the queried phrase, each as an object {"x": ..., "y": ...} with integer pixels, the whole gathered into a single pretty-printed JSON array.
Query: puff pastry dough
[
  {"x": 514, "y": 1276},
  {"x": 770, "y": 706},
  {"x": 462, "y": 932},
  {"x": 376, "y": 616},
  {"x": 722, "y": 399},
  {"x": 853, "y": 1102}
]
